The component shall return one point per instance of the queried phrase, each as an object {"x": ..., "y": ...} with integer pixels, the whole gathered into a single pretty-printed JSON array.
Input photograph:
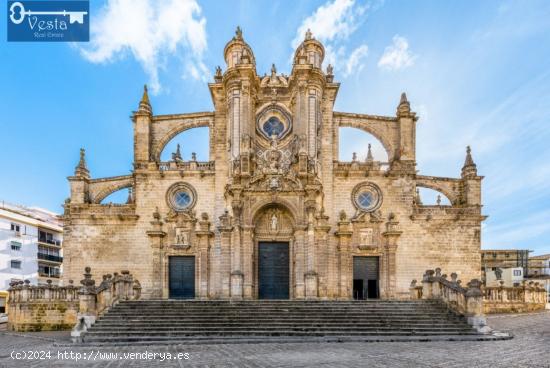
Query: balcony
[
  {"x": 47, "y": 241},
  {"x": 49, "y": 257},
  {"x": 55, "y": 275}
]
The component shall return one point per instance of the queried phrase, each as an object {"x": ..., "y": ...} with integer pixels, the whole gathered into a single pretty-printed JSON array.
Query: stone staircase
[{"x": 195, "y": 321}]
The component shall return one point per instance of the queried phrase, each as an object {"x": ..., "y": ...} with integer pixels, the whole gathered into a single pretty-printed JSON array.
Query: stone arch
[
  {"x": 386, "y": 130},
  {"x": 108, "y": 191},
  {"x": 258, "y": 209},
  {"x": 101, "y": 188},
  {"x": 439, "y": 189},
  {"x": 378, "y": 148},
  {"x": 164, "y": 130}
]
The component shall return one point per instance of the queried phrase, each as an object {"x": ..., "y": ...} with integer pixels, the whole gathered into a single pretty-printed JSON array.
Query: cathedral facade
[{"x": 275, "y": 213}]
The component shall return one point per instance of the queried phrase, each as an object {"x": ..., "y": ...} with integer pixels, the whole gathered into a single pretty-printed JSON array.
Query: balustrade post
[
  {"x": 427, "y": 282},
  {"x": 474, "y": 305}
]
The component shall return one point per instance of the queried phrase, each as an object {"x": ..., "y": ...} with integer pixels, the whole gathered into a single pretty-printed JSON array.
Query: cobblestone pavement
[{"x": 529, "y": 348}]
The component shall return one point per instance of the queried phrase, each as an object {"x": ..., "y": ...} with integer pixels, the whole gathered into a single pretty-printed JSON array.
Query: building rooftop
[{"x": 31, "y": 215}]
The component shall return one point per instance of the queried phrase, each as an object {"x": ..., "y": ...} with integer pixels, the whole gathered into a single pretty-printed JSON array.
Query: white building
[{"x": 30, "y": 245}]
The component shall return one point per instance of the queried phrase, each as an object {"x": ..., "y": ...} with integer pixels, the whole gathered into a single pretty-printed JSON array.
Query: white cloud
[
  {"x": 150, "y": 31},
  {"x": 333, "y": 23},
  {"x": 397, "y": 55},
  {"x": 333, "y": 20},
  {"x": 354, "y": 63}
]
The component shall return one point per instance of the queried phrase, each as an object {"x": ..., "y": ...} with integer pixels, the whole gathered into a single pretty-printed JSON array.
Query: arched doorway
[{"x": 274, "y": 253}]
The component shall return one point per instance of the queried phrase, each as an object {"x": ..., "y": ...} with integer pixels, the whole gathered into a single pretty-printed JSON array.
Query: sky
[{"x": 476, "y": 72}]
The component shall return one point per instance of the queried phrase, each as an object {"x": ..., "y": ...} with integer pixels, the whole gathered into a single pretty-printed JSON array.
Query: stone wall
[{"x": 42, "y": 308}]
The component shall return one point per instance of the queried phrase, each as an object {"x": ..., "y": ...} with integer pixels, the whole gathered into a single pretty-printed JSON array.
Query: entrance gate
[
  {"x": 365, "y": 277},
  {"x": 273, "y": 270},
  {"x": 182, "y": 277}
]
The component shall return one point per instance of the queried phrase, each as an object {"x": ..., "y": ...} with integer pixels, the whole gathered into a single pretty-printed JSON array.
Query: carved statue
[
  {"x": 274, "y": 222},
  {"x": 182, "y": 237}
]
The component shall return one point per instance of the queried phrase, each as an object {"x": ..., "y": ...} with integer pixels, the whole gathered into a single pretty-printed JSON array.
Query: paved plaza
[{"x": 529, "y": 348}]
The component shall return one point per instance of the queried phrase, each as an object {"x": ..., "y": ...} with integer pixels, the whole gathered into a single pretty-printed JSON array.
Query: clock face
[{"x": 367, "y": 197}]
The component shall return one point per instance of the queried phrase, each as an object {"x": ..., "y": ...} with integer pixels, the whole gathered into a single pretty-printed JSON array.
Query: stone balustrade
[
  {"x": 529, "y": 297},
  {"x": 466, "y": 301},
  {"x": 51, "y": 307}
]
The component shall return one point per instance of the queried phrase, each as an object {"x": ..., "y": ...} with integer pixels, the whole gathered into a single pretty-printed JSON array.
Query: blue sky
[{"x": 476, "y": 72}]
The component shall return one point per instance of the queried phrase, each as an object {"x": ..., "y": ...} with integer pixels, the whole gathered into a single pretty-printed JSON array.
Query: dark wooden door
[
  {"x": 365, "y": 278},
  {"x": 182, "y": 277},
  {"x": 273, "y": 271}
]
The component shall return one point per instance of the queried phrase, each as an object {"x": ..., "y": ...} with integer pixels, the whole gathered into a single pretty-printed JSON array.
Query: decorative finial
[
  {"x": 309, "y": 35},
  {"x": 144, "y": 104},
  {"x": 130, "y": 198},
  {"x": 369, "y": 154},
  {"x": 176, "y": 156},
  {"x": 330, "y": 69},
  {"x": 418, "y": 200},
  {"x": 404, "y": 108},
  {"x": 193, "y": 156},
  {"x": 81, "y": 169},
  {"x": 469, "y": 170},
  {"x": 156, "y": 214},
  {"x": 273, "y": 70},
  {"x": 145, "y": 97},
  {"x": 354, "y": 157},
  {"x": 218, "y": 76},
  {"x": 239, "y": 33}
]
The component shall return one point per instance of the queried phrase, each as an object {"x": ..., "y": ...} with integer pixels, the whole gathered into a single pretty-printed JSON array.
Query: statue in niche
[
  {"x": 274, "y": 222},
  {"x": 182, "y": 237}
]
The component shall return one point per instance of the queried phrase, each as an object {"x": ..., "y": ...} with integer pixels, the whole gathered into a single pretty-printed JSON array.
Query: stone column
[
  {"x": 248, "y": 256},
  {"x": 224, "y": 270},
  {"x": 299, "y": 262},
  {"x": 391, "y": 236},
  {"x": 345, "y": 268},
  {"x": 204, "y": 235},
  {"x": 322, "y": 255},
  {"x": 158, "y": 287},
  {"x": 311, "y": 275},
  {"x": 237, "y": 275}
]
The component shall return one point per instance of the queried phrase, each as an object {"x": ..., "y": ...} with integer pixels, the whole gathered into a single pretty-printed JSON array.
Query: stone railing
[
  {"x": 529, "y": 297},
  {"x": 192, "y": 165},
  {"x": 465, "y": 301},
  {"x": 41, "y": 308},
  {"x": 50, "y": 307}
]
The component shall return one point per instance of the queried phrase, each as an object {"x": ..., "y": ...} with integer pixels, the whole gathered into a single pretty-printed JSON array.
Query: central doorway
[
  {"x": 273, "y": 270},
  {"x": 182, "y": 277},
  {"x": 365, "y": 278}
]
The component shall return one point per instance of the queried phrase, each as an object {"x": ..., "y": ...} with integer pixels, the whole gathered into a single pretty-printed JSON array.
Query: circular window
[
  {"x": 272, "y": 121},
  {"x": 273, "y": 126},
  {"x": 181, "y": 197},
  {"x": 367, "y": 197}
]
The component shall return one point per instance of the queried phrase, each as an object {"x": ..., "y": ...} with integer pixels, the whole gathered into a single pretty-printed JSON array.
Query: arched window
[
  {"x": 192, "y": 140},
  {"x": 356, "y": 140},
  {"x": 429, "y": 197}
]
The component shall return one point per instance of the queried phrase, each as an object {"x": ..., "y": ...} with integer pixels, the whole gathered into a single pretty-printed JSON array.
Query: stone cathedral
[{"x": 275, "y": 213}]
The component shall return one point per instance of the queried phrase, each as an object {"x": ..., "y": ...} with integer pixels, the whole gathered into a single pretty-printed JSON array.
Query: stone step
[
  {"x": 288, "y": 332},
  {"x": 184, "y": 320},
  {"x": 146, "y": 324}
]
